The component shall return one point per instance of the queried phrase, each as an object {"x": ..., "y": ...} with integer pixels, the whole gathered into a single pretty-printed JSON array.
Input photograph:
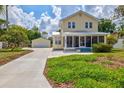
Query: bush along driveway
[
  {"x": 101, "y": 70},
  {"x": 26, "y": 71}
]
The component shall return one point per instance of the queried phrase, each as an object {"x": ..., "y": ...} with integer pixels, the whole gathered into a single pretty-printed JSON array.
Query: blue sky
[{"x": 47, "y": 17}]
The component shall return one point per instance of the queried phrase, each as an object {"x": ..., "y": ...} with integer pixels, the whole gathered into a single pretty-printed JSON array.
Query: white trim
[
  {"x": 91, "y": 41},
  {"x": 65, "y": 42},
  {"x": 72, "y": 41},
  {"x": 79, "y": 41}
]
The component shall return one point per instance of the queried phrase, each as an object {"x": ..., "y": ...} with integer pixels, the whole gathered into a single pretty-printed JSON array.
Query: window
[
  {"x": 101, "y": 39},
  {"x": 57, "y": 40},
  {"x": 82, "y": 41},
  {"x": 73, "y": 24},
  {"x": 94, "y": 39},
  {"x": 88, "y": 41},
  {"x": 90, "y": 24},
  {"x": 69, "y": 24},
  {"x": 69, "y": 41},
  {"x": 86, "y": 25}
]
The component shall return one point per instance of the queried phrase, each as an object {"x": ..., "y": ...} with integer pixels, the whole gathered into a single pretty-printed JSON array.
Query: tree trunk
[{"x": 7, "y": 17}]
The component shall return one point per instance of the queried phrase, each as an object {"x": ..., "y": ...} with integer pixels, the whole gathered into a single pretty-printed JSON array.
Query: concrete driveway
[{"x": 26, "y": 71}]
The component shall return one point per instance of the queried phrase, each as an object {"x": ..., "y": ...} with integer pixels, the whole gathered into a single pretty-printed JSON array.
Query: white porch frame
[{"x": 65, "y": 38}]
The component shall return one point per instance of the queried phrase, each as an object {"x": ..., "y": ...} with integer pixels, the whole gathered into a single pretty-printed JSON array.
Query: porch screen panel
[
  {"x": 88, "y": 41},
  {"x": 101, "y": 39},
  {"x": 69, "y": 41},
  {"x": 82, "y": 41},
  {"x": 94, "y": 39}
]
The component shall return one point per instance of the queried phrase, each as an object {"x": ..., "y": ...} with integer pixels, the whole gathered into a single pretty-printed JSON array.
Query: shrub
[
  {"x": 121, "y": 34},
  {"x": 111, "y": 40},
  {"x": 101, "y": 47}
]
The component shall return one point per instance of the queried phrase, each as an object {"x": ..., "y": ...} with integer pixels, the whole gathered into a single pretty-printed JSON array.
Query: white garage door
[{"x": 41, "y": 44}]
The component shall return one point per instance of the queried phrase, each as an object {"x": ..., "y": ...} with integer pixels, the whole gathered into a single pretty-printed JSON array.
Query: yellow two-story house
[{"x": 79, "y": 30}]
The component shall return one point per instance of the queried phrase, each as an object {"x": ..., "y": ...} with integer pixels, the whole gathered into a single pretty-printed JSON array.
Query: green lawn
[
  {"x": 101, "y": 70},
  {"x": 7, "y": 55}
]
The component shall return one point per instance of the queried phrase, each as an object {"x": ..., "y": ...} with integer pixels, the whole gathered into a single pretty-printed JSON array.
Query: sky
[{"x": 46, "y": 17}]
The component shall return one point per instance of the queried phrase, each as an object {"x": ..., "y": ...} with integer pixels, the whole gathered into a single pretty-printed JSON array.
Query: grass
[
  {"x": 100, "y": 70},
  {"x": 6, "y": 55}
]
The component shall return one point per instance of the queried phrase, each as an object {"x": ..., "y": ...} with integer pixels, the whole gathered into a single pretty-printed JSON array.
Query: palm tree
[
  {"x": 2, "y": 10},
  {"x": 7, "y": 22}
]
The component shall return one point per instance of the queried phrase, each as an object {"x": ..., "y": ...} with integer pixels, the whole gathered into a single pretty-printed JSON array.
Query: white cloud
[
  {"x": 19, "y": 17},
  {"x": 56, "y": 11},
  {"x": 102, "y": 11},
  {"x": 49, "y": 23}
]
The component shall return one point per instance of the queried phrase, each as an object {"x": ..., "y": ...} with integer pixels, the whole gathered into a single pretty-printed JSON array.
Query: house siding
[{"x": 79, "y": 20}]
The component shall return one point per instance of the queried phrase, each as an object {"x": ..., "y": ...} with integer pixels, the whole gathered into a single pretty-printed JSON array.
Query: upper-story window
[
  {"x": 86, "y": 24},
  {"x": 90, "y": 24},
  {"x": 71, "y": 24}
]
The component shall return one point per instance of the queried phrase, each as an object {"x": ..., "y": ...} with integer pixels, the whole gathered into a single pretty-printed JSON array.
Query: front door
[{"x": 76, "y": 41}]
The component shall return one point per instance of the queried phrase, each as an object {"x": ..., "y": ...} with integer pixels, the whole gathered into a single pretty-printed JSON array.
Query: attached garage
[{"x": 41, "y": 43}]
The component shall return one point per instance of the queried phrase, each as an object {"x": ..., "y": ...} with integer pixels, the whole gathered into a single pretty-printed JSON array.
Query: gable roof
[
  {"x": 40, "y": 39},
  {"x": 80, "y": 11}
]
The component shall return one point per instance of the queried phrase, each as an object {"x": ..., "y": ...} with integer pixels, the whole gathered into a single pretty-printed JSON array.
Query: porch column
[
  {"x": 79, "y": 41},
  {"x": 97, "y": 39},
  {"x": 91, "y": 41},
  {"x": 72, "y": 41},
  {"x": 105, "y": 39},
  {"x": 65, "y": 41},
  {"x": 85, "y": 41}
]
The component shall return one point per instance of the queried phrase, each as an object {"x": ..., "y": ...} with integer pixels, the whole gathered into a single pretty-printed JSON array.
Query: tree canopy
[
  {"x": 119, "y": 11},
  {"x": 106, "y": 25}
]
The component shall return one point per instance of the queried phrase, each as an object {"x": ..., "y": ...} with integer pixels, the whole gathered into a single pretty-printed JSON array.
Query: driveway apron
[{"x": 26, "y": 71}]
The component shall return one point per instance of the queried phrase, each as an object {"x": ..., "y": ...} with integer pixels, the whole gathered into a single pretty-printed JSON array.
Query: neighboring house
[
  {"x": 41, "y": 43},
  {"x": 78, "y": 30}
]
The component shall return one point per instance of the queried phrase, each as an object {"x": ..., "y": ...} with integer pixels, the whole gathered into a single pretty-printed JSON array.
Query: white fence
[
  {"x": 119, "y": 44},
  {"x": 1, "y": 44}
]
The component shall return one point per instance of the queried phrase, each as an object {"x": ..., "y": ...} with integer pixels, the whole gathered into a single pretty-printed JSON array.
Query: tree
[
  {"x": 58, "y": 30},
  {"x": 2, "y": 23},
  {"x": 44, "y": 34},
  {"x": 1, "y": 9},
  {"x": 106, "y": 25},
  {"x": 15, "y": 37},
  {"x": 119, "y": 11},
  {"x": 121, "y": 34},
  {"x": 111, "y": 40},
  {"x": 7, "y": 21},
  {"x": 35, "y": 28}
]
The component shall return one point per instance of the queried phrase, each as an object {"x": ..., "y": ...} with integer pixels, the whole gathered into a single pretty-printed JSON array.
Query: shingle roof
[{"x": 80, "y": 11}]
